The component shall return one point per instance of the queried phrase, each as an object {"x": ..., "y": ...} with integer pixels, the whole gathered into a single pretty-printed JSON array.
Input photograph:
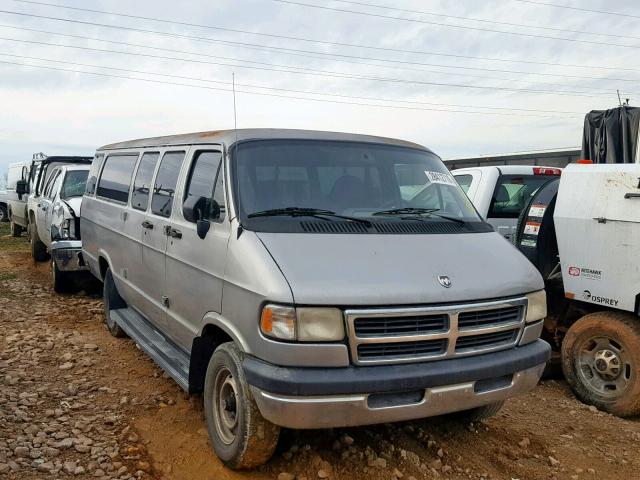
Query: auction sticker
[
  {"x": 526, "y": 242},
  {"x": 537, "y": 210},
  {"x": 532, "y": 228},
  {"x": 442, "y": 178}
]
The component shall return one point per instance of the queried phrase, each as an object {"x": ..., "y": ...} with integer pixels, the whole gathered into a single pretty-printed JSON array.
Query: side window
[
  {"x": 464, "y": 181},
  {"x": 512, "y": 193},
  {"x": 49, "y": 186},
  {"x": 54, "y": 185},
  {"x": 115, "y": 180},
  {"x": 165, "y": 184},
  {"x": 92, "y": 180},
  {"x": 205, "y": 180},
  {"x": 142, "y": 183}
]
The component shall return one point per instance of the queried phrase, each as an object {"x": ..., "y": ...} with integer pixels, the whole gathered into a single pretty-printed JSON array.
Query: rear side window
[
  {"x": 202, "y": 179},
  {"x": 165, "y": 184},
  {"x": 115, "y": 180},
  {"x": 142, "y": 183},
  {"x": 512, "y": 193},
  {"x": 92, "y": 179},
  {"x": 464, "y": 181}
]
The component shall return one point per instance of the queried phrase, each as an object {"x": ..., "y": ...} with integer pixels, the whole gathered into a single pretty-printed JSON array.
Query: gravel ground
[{"x": 75, "y": 402}]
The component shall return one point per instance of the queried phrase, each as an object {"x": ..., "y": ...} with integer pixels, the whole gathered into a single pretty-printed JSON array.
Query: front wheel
[
  {"x": 601, "y": 361},
  {"x": 62, "y": 281},
  {"x": 4, "y": 217},
  {"x": 240, "y": 435},
  {"x": 38, "y": 249},
  {"x": 479, "y": 413},
  {"x": 112, "y": 301},
  {"x": 16, "y": 230}
]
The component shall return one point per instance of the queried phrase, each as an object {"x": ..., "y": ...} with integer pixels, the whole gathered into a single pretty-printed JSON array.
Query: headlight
[
  {"x": 303, "y": 324},
  {"x": 537, "y": 306},
  {"x": 67, "y": 229}
]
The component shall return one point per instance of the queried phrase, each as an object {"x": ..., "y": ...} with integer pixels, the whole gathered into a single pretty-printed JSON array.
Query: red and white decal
[
  {"x": 532, "y": 228},
  {"x": 537, "y": 210},
  {"x": 574, "y": 271}
]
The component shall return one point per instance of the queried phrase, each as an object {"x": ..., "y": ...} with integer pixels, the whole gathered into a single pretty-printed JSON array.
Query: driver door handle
[
  {"x": 147, "y": 224},
  {"x": 173, "y": 232}
]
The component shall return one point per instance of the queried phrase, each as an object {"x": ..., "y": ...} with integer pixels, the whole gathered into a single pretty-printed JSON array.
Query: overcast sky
[{"x": 528, "y": 92}]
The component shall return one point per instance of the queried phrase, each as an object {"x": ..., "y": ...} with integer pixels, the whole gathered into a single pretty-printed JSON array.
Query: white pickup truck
[{"x": 500, "y": 193}]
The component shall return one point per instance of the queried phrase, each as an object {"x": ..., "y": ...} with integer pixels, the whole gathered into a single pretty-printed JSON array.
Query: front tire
[
  {"x": 601, "y": 361},
  {"x": 4, "y": 217},
  {"x": 240, "y": 435},
  {"x": 38, "y": 249},
  {"x": 16, "y": 230},
  {"x": 62, "y": 281},
  {"x": 112, "y": 301},
  {"x": 479, "y": 413}
]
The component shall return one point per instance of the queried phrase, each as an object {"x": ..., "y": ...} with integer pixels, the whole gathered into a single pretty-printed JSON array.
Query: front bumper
[
  {"x": 352, "y": 396},
  {"x": 67, "y": 254}
]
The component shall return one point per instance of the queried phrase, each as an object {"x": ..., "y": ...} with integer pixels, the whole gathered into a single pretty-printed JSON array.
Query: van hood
[{"x": 345, "y": 270}]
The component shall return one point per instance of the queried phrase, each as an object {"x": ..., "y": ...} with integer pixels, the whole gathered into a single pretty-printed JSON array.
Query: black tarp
[{"x": 611, "y": 136}]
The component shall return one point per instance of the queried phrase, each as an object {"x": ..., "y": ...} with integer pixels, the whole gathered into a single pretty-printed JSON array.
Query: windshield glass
[
  {"x": 360, "y": 180},
  {"x": 74, "y": 184}
]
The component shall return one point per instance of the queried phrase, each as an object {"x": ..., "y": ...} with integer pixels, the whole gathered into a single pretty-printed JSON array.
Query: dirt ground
[{"x": 75, "y": 402}]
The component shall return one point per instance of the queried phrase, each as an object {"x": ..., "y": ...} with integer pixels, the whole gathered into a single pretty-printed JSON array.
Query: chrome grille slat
[{"x": 400, "y": 335}]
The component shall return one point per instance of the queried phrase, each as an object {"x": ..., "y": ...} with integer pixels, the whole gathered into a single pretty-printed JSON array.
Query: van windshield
[
  {"x": 285, "y": 179},
  {"x": 74, "y": 184}
]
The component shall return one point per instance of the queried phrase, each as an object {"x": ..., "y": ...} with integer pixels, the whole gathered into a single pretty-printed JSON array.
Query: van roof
[{"x": 228, "y": 137}]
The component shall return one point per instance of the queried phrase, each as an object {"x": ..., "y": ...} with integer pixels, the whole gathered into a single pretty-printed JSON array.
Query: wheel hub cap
[
  {"x": 604, "y": 366},
  {"x": 225, "y": 402}
]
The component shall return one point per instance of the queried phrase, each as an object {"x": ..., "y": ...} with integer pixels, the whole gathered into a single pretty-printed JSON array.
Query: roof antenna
[{"x": 626, "y": 103}]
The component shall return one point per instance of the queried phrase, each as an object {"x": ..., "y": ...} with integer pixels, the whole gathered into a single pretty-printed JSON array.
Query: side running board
[{"x": 171, "y": 358}]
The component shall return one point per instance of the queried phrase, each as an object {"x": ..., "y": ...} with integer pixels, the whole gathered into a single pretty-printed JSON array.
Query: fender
[{"x": 214, "y": 318}]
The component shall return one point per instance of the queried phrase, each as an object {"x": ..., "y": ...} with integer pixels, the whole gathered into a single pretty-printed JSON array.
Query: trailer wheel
[
  {"x": 601, "y": 361},
  {"x": 240, "y": 435},
  {"x": 16, "y": 230}
]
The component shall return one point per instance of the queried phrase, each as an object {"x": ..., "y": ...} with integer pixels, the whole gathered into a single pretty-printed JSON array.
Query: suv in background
[
  {"x": 58, "y": 222},
  {"x": 308, "y": 279},
  {"x": 501, "y": 193}
]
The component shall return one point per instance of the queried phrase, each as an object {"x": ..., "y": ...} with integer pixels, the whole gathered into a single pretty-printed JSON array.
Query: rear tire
[
  {"x": 16, "y": 230},
  {"x": 240, "y": 435},
  {"x": 38, "y": 249},
  {"x": 112, "y": 301},
  {"x": 601, "y": 361},
  {"x": 62, "y": 281},
  {"x": 479, "y": 413},
  {"x": 4, "y": 216}
]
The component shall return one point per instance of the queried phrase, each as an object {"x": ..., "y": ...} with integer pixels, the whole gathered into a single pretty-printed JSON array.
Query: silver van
[{"x": 308, "y": 279}]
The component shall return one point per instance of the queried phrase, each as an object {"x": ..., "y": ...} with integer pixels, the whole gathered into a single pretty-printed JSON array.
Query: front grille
[
  {"x": 473, "y": 342},
  {"x": 483, "y": 318},
  {"x": 385, "y": 351},
  {"x": 433, "y": 332},
  {"x": 396, "y": 326}
]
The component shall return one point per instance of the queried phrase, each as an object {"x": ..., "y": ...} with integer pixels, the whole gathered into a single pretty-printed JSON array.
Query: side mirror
[
  {"x": 202, "y": 228},
  {"x": 215, "y": 210},
  {"x": 21, "y": 188},
  {"x": 195, "y": 208}
]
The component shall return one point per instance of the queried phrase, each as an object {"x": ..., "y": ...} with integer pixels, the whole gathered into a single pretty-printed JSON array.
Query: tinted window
[
  {"x": 142, "y": 183},
  {"x": 92, "y": 179},
  {"x": 512, "y": 193},
  {"x": 349, "y": 178},
  {"x": 165, "y": 184},
  {"x": 74, "y": 184},
  {"x": 116, "y": 177},
  {"x": 464, "y": 181},
  {"x": 202, "y": 178}
]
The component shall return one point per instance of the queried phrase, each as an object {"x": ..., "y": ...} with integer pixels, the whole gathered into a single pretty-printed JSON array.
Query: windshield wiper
[
  {"x": 306, "y": 212},
  {"x": 407, "y": 211},
  {"x": 417, "y": 213}
]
